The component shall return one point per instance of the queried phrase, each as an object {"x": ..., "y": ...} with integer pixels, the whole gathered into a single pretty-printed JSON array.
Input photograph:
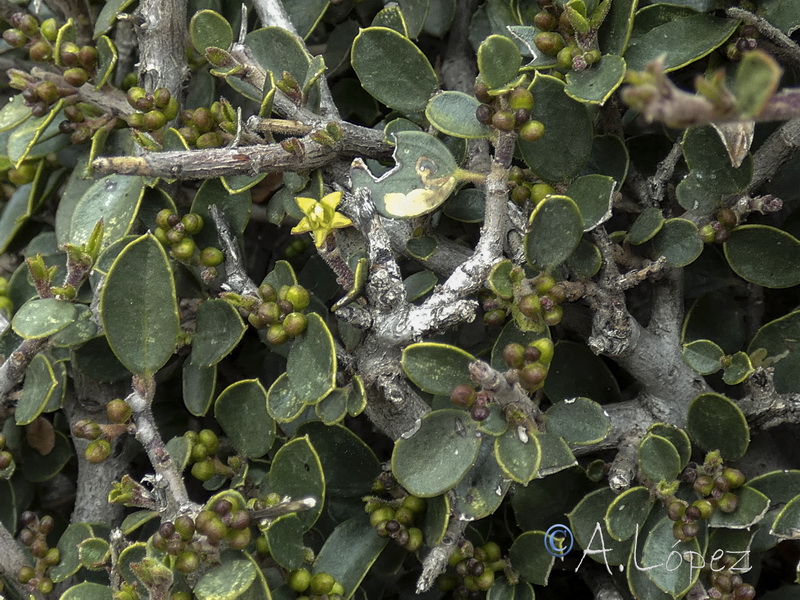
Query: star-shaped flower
[{"x": 321, "y": 217}]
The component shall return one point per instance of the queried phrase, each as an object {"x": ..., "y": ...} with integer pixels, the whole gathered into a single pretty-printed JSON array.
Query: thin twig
[{"x": 435, "y": 562}]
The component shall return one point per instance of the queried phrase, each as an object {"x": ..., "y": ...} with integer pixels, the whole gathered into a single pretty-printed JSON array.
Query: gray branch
[
  {"x": 162, "y": 57},
  {"x": 435, "y": 562}
]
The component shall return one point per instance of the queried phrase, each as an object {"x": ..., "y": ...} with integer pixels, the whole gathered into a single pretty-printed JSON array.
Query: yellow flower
[{"x": 321, "y": 217}]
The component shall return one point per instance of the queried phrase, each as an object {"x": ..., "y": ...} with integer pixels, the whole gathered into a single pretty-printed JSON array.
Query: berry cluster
[
  {"x": 209, "y": 127},
  {"x": 743, "y": 41},
  {"x": 727, "y": 584},
  {"x": 280, "y": 312},
  {"x": 472, "y": 570},
  {"x": 7, "y": 465},
  {"x": 523, "y": 186},
  {"x": 542, "y": 305},
  {"x": 557, "y": 38},
  {"x": 153, "y": 111},
  {"x": 466, "y": 396},
  {"x": 320, "y": 586},
  {"x": 39, "y": 39},
  {"x": 517, "y": 115},
  {"x": 204, "y": 459},
  {"x": 119, "y": 413},
  {"x": 715, "y": 487},
  {"x": 719, "y": 228},
  {"x": 397, "y": 519},
  {"x": 176, "y": 232},
  {"x": 34, "y": 537},
  {"x": 531, "y": 362}
]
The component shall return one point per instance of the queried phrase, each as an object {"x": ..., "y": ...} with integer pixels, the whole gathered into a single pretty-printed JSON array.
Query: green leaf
[
  {"x": 438, "y": 455},
  {"x": 594, "y": 195},
  {"x": 609, "y": 156},
  {"x": 41, "y": 318},
  {"x": 209, "y": 28},
  {"x": 627, "y": 513},
  {"x": 391, "y": 17},
  {"x": 716, "y": 423},
  {"x": 518, "y": 454},
  {"x": 235, "y": 208},
  {"x": 219, "y": 329},
  {"x": 779, "y": 486},
  {"x": 779, "y": 338},
  {"x": 615, "y": 32},
  {"x": 421, "y": 180},
  {"x": 305, "y": 14},
  {"x": 16, "y": 213},
  {"x": 241, "y": 410},
  {"x": 579, "y": 421},
  {"x": 764, "y": 255},
  {"x": 586, "y": 260},
  {"x": 349, "y": 465},
  {"x": 198, "y": 388},
  {"x": 782, "y": 14},
  {"x": 108, "y": 15},
  {"x": 453, "y": 113},
  {"x": 136, "y": 519},
  {"x": 700, "y": 35},
  {"x": 739, "y": 369},
  {"x": 468, "y": 206},
  {"x": 14, "y": 113},
  {"x": 311, "y": 365},
  {"x": 658, "y": 458},
  {"x": 94, "y": 552},
  {"x": 436, "y": 368},
  {"x": 533, "y": 504},
  {"x": 703, "y": 356},
  {"x": 752, "y": 507},
  {"x": 556, "y": 455},
  {"x": 285, "y": 541},
  {"x": 440, "y": 17},
  {"x": 503, "y": 590},
  {"x": 67, "y": 545},
  {"x": 659, "y": 547},
  {"x": 568, "y": 133},
  {"x": 393, "y": 70},
  {"x": 500, "y": 279},
  {"x": 422, "y": 247},
  {"x": 138, "y": 307},
  {"x": 115, "y": 199},
  {"x": 576, "y": 371},
  {"x": 678, "y": 241},
  {"x": 283, "y": 404},
  {"x": 40, "y": 383},
  {"x": 757, "y": 78},
  {"x": 32, "y": 131},
  {"x": 333, "y": 407},
  {"x": 419, "y": 284},
  {"x": 498, "y": 61},
  {"x": 88, "y": 591},
  {"x": 595, "y": 85},
  {"x": 107, "y": 57},
  {"x": 297, "y": 472},
  {"x": 677, "y": 437},
  {"x": 226, "y": 581},
  {"x": 511, "y": 334},
  {"x": 787, "y": 523},
  {"x": 277, "y": 50},
  {"x": 646, "y": 226},
  {"x": 528, "y": 555},
  {"x": 349, "y": 552},
  {"x": 587, "y": 521},
  {"x": 555, "y": 229},
  {"x": 482, "y": 489}
]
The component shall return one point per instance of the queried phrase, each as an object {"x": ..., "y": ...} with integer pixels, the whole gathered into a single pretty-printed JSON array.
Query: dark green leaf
[
  {"x": 198, "y": 388},
  {"x": 115, "y": 199},
  {"x": 482, "y": 489},
  {"x": 528, "y": 555},
  {"x": 660, "y": 551},
  {"x": 419, "y": 284},
  {"x": 139, "y": 309},
  {"x": 437, "y": 368},
  {"x": 627, "y": 513},
  {"x": 305, "y": 14},
  {"x": 716, "y": 423},
  {"x": 556, "y": 455},
  {"x": 283, "y": 404},
  {"x": 616, "y": 29},
  {"x": 739, "y": 369},
  {"x": 226, "y": 581},
  {"x": 757, "y": 78},
  {"x": 586, "y": 260},
  {"x": 593, "y": 194},
  {"x": 518, "y": 455},
  {"x": 453, "y": 113},
  {"x": 38, "y": 468},
  {"x": 67, "y": 545},
  {"x": 658, "y": 458},
  {"x": 576, "y": 371},
  {"x": 285, "y": 541},
  {"x": 311, "y": 366},
  {"x": 88, "y": 591},
  {"x": 703, "y": 356},
  {"x": 751, "y": 509},
  {"x": 498, "y": 61},
  {"x": 297, "y": 472},
  {"x": 579, "y": 421},
  {"x": 646, "y": 226},
  {"x": 587, "y": 521},
  {"x": 241, "y": 411},
  {"x": 678, "y": 241},
  {"x": 778, "y": 338},
  {"x": 677, "y": 437},
  {"x": 468, "y": 206},
  {"x": 40, "y": 318},
  {"x": 595, "y": 85},
  {"x": 108, "y": 15},
  {"x": 219, "y": 329},
  {"x": 764, "y": 255},
  {"x": 235, "y": 208},
  {"x": 555, "y": 229},
  {"x": 209, "y": 28},
  {"x": 40, "y": 383}
]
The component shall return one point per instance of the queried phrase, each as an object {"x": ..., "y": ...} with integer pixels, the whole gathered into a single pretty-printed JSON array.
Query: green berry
[
  {"x": 199, "y": 453},
  {"x": 321, "y": 583},
  {"x": 98, "y": 451},
  {"x": 482, "y": 93},
  {"x": 209, "y": 439},
  {"x": 550, "y": 43},
  {"x": 707, "y": 234},
  {"x": 204, "y": 470},
  {"x": 203, "y": 119},
  {"x": 675, "y": 510},
  {"x": 76, "y": 76},
  {"x": 545, "y": 346},
  {"x": 532, "y": 376},
  {"x": 299, "y": 580},
  {"x": 209, "y": 140},
  {"x": 267, "y": 292},
  {"x": 503, "y": 120},
  {"x": 211, "y": 257},
  {"x": 734, "y": 477},
  {"x": 703, "y": 485},
  {"x": 277, "y": 335},
  {"x": 47, "y": 91},
  {"x": 15, "y": 38},
  {"x": 118, "y": 411},
  {"x": 171, "y": 109},
  {"x": 384, "y": 513},
  {"x": 520, "y": 98},
  {"x": 22, "y": 175},
  {"x": 463, "y": 395},
  {"x": 539, "y": 191},
  {"x": 192, "y": 223},
  {"x": 187, "y": 562},
  {"x": 337, "y": 589},
  {"x": 161, "y": 97},
  {"x": 295, "y": 324},
  {"x": 26, "y": 23},
  {"x": 705, "y": 507},
  {"x": 530, "y": 306},
  {"x": 494, "y": 318},
  {"x": 532, "y": 131},
  {"x": 592, "y": 56},
  {"x": 520, "y": 194},
  {"x": 514, "y": 355},
  {"x": 728, "y": 503},
  {"x": 545, "y": 21},
  {"x": 298, "y": 296},
  {"x": 414, "y": 504},
  {"x": 564, "y": 57},
  {"x": 49, "y": 29},
  {"x": 415, "y": 539},
  {"x": 553, "y": 316},
  {"x": 238, "y": 539},
  {"x": 6, "y": 459},
  {"x": 269, "y": 312},
  {"x": 161, "y": 235},
  {"x": 493, "y": 552},
  {"x": 184, "y": 526},
  {"x": 184, "y": 250},
  {"x": 154, "y": 120},
  {"x": 88, "y": 57}
]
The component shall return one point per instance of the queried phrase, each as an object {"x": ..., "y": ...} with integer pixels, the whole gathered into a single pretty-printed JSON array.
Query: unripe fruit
[
  {"x": 87, "y": 57},
  {"x": 24, "y": 174},
  {"x": 209, "y": 140},
  {"x": 463, "y": 395},
  {"x": 414, "y": 504},
  {"x": 520, "y": 98},
  {"x": 52, "y": 557},
  {"x": 41, "y": 51},
  {"x": 734, "y": 477},
  {"x": 532, "y": 354},
  {"x": 690, "y": 530},
  {"x": 46, "y": 524},
  {"x": 482, "y": 93},
  {"x": 25, "y": 574},
  {"x": 514, "y": 355},
  {"x": 545, "y": 346},
  {"x": 161, "y": 97},
  {"x": 27, "y": 24},
  {"x": 705, "y": 507},
  {"x": 171, "y": 109},
  {"x": 5, "y": 459},
  {"x": 385, "y": 513},
  {"x": 530, "y": 305},
  {"x": 192, "y": 223},
  {"x": 298, "y": 296},
  {"x": 675, "y": 510},
  {"x": 295, "y": 324},
  {"x": 211, "y": 257},
  {"x": 161, "y": 236},
  {"x": 493, "y": 552},
  {"x": 118, "y": 411},
  {"x": 539, "y": 191},
  {"x": 154, "y": 120},
  {"x": 203, "y": 470},
  {"x": 532, "y": 376},
  {"x": 238, "y": 539},
  {"x": 199, "y": 453},
  {"x": 76, "y": 76},
  {"x": 532, "y": 131},
  {"x": 722, "y": 484},
  {"x": 15, "y": 38},
  {"x": 267, "y": 292},
  {"x": 277, "y": 335},
  {"x": 299, "y": 580},
  {"x": 728, "y": 503},
  {"x": 553, "y": 316},
  {"x": 45, "y": 586},
  {"x": 49, "y": 29},
  {"x": 592, "y": 56},
  {"x": 564, "y": 57},
  {"x": 546, "y": 21},
  {"x": 39, "y": 548},
  {"x": 494, "y": 318},
  {"x": 415, "y": 539},
  {"x": 503, "y": 120},
  {"x": 521, "y": 116},
  {"x": 550, "y": 43},
  {"x": 210, "y": 440},
  {"x": 727, "y": 218},
  {"x": 401, "y": 537},
  {"x": 692, "y": 513},
  {"x": 184, "y": 526},
  {"x": 484, "y": 113},
  {"x": 703, "y": 485},
  {"x": 203, "y": 119},
  {"x": 285, "y": 307},
  {"x": 744, "y": 592},
  {"x": 47, "y": 91},
  {"x": 184, "y": 249},
  {"x": 707, "y": 233},
  {"x": 98, "y": 451},
  {"x": 321, "y": 583},
  {"x": 269, "y": 312},
  {"x": 187, "y": 562},
  {"x": 520, "y": 194}
]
